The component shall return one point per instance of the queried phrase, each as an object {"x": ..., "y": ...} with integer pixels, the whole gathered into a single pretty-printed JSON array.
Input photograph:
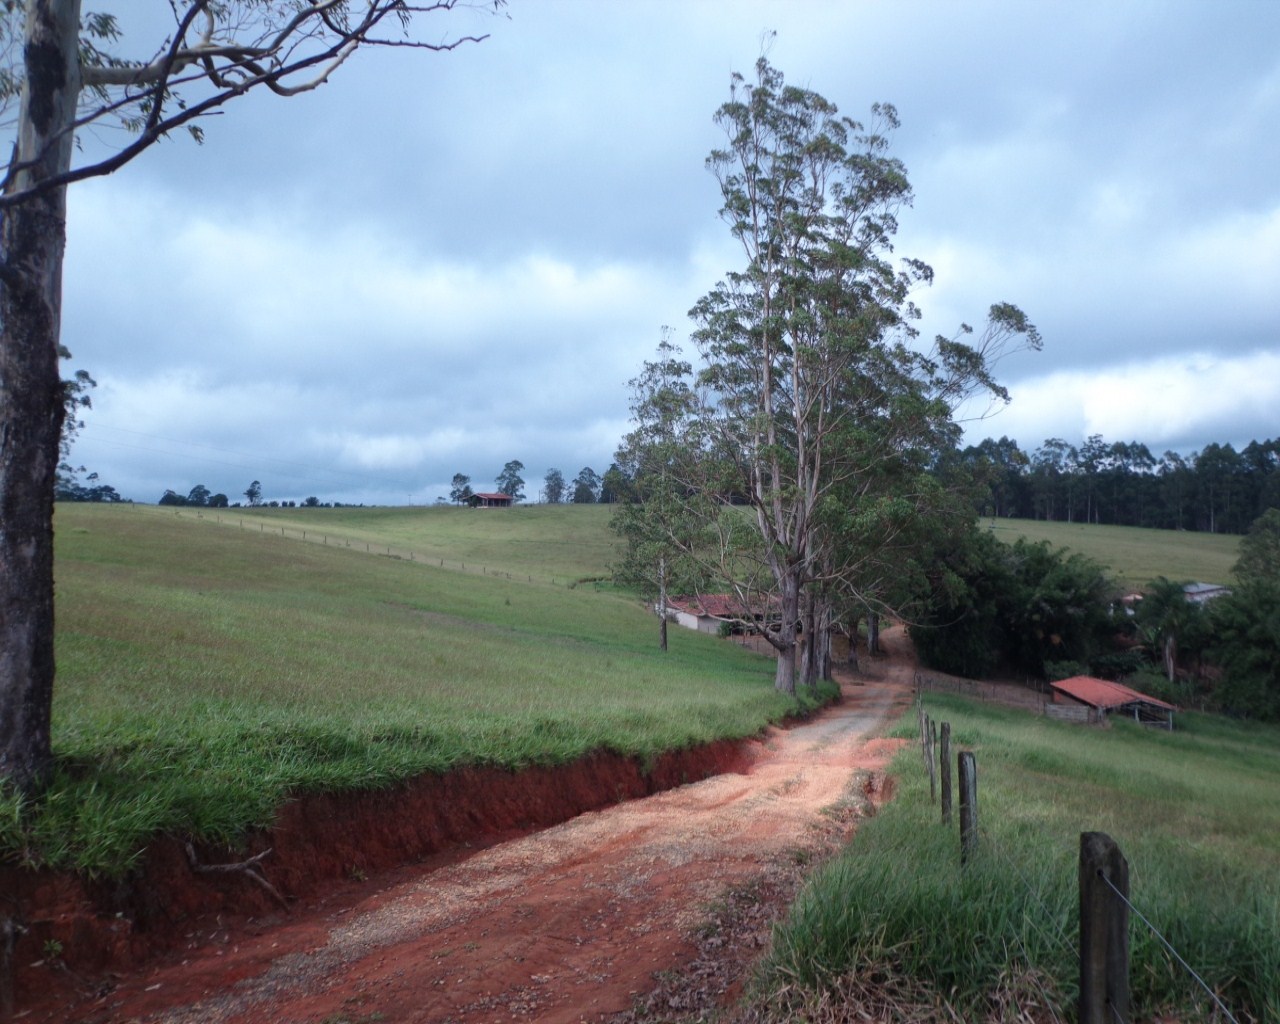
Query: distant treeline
[
  {"x": 1214, "y": 490},
  {"x": 200, "y": 497}
]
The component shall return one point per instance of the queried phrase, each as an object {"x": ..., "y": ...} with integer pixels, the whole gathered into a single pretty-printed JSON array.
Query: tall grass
[
  {"x": 204, "y": 674},
  {"x": 1196, "y": 813}
]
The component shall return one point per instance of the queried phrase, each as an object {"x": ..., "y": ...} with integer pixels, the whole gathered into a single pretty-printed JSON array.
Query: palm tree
[{"x": 1164, "y": 616}]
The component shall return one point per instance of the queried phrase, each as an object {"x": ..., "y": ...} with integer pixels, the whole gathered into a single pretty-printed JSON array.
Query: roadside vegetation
[
  {"x": 206, "y": 673},
  {"x": 897, "y": 922}
]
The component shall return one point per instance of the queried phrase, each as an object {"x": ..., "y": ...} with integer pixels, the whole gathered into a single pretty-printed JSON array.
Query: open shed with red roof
[{"x": 1107, "y": 698}]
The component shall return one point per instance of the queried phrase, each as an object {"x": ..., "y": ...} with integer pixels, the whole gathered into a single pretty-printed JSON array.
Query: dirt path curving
[{"x": 565, "y": 925}]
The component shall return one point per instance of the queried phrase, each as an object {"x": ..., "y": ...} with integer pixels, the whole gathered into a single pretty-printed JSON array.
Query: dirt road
[{"x": 568, "y": 924}]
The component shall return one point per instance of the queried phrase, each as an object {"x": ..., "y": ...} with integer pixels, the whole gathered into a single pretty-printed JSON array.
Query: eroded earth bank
[{"x": 577, "y": 922}]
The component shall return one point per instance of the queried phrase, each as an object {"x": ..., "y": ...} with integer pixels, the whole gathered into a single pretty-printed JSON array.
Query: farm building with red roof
[
  {"x": 490, "y": 501},
  {"x": 706, "y": 613},
  {"x": 1107, "y": 698}
]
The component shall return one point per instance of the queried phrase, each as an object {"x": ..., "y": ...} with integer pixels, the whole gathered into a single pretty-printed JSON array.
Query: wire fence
[
  {"x": 1051, "y": 924},
  {"x": 397, "y": 552}
]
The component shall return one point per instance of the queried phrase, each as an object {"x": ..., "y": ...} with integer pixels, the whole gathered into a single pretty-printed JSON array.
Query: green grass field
[
  {"x": 1134, "y": 556},
  {"x": 560, "y": 543},
  {"x": 213, "y": 661},
  {"x": 205, "y": 670},
  {"x": 1196, "y": 813}
]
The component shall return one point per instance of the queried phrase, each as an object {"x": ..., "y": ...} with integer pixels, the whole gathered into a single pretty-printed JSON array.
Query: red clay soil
[{"x": 505, "y": 919}]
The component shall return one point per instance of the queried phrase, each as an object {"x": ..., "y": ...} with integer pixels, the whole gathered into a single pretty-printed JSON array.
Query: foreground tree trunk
[
  {"x": 784, "y": 680},
  {"x": 32, "y": 237}
]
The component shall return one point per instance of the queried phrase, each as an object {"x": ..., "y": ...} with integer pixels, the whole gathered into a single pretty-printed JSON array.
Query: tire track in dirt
[{"x": 565, "y": 925}]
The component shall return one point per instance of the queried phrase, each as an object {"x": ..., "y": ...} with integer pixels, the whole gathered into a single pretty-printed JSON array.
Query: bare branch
[{"x": 294, "y": 57}]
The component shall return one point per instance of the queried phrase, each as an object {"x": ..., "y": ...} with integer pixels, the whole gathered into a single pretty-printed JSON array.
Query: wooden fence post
[
  {"x": 1104, "y": 931},
  {"x": 944, "y": 756},
  {"x": 968, "y": 805},
  {"x": 932, "y": 758}
]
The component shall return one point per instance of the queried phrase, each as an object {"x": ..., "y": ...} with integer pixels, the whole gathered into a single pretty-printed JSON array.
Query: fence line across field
[{"x": 400, "y": 553}]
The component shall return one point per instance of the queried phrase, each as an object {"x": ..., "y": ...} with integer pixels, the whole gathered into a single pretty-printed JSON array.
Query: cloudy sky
[{"x": 439, "y": 263}]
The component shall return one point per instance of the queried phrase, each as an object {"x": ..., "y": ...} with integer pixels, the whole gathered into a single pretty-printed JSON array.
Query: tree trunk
[
  {"x": 808, "y": 641},
  {"x": 662, "y": 602},
  {"x": 789, "y": 609},
  {"x": 873, "y": 632},
  {"x": 826, "y": 627},
  {"x": 32, "y": 237}
]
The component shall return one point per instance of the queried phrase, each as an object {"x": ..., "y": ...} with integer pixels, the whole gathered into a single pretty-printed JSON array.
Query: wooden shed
[
  {"x": 490, "y": 501},
  {"x": 1104, "y": 698}
]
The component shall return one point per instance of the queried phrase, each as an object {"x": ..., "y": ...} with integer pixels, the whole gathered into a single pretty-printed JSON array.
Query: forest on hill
[{"x": 1216, "y": 489}]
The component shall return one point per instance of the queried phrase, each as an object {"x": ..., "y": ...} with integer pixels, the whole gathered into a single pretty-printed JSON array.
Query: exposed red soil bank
[
  {"x": 317, "y": 839},
  {"x": 559, "y": 925}
]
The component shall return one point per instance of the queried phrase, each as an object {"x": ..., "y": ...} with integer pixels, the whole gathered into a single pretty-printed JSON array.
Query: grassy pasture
[
  {"x": 1195, "y": 811},
  {"x": 1134, "y": 555},
  {"x": 205, "y": 672},
  {"x": 549, "y": 542}
]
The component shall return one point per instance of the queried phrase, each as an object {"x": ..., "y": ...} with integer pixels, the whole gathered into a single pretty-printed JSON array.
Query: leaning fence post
[
  {"x": 1104, "y": 931},
  {"x": 968, "y": 805},
  {"x": 944, "y": 756}
]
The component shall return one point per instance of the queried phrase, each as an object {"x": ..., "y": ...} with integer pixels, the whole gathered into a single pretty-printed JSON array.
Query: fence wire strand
[{"x": 1173, "y": 952}]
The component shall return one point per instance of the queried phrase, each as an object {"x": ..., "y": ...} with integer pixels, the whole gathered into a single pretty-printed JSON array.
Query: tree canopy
[{"x": 510, "y": 482}]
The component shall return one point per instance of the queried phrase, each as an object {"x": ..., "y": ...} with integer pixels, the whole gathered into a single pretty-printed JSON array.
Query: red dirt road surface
[{"x": 567, "y": 924}]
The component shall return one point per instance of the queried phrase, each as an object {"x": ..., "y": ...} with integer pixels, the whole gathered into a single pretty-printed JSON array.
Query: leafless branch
[
  {"x": 275, "y": 61},
  {"x": 251, "y": 869}
]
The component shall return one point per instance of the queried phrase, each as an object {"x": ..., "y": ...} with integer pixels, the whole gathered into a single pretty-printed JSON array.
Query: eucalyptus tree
[
  {"x": 553, "y": 487},
  {"x": 510, "y": 482},
  {"x": 661, "y": 522},
  {"x": 586, "y": 487},
  {"x": 66, "y": 75},
  {"x": 460, "y": 489},
  {"x": 808, "y": 349}
]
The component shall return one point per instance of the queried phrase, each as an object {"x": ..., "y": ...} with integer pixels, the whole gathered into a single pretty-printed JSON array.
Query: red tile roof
[
  {"x": 1101, "y": 693},
  {"x": 717, "y": 606}
]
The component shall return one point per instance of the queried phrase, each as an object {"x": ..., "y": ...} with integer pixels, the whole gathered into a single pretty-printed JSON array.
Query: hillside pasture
[
  {"x": 1195, "y": 811},
  {"x": 206, "y": 672},
  {"x": 564, "y": 543},
  {"x": 1133, "y": 555}
]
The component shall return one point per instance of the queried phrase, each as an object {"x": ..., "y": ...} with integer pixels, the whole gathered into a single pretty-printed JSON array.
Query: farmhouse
[
  {"x": 1199, "y": 593},
  {"x": 706, "y": 613},
  {"x": 490, "y": 501},
  {"x": 1104, "y": 698}
]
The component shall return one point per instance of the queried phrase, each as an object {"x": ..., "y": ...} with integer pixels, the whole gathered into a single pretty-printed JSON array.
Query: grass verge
[{"x": 1196, "y": 813}]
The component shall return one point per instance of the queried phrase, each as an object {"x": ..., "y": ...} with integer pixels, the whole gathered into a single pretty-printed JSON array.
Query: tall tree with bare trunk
[{"x": 815, "y": 382}]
